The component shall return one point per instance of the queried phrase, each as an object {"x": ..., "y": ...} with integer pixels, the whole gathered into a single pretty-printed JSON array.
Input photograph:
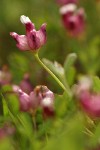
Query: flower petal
[
  {"x": 33, "y": 40},
  {"x": 41, "y": 35},
  {"x": 67, "y": 8},
  {"x": 27, "y": 22},
  {"x": 21, "y": 40},
  {"x": 24, "y": 100}
]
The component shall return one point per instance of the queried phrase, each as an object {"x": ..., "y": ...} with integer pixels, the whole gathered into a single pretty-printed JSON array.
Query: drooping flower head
[
  {"x": 33, "y": 39},
  {"x": 63, "y": 2},
  {"x": 73, "y": 19}
]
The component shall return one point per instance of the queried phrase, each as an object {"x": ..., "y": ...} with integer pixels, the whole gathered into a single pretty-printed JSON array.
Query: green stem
[
  {"x": 51, "y": 73},
  {"x": 66, "y": 85}
]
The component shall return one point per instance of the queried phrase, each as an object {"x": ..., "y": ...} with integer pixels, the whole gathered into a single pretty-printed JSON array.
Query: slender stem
[
  {"x": 66, "y": 85},
  {"x": 50, "y": 72}
]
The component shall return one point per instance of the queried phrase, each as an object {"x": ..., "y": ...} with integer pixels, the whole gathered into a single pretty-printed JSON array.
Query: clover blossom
[
  {"x": 73, "y": 19},
  {"x": 33, "y": 39}
]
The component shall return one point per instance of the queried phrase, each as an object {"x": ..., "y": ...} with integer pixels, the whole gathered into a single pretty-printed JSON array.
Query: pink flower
[
  {"x": 73, "y": 19},
  {"x": 63, "y": 2},
  {"x": 6, "y": 131},
  {"x": 90, "y": 103},
  {"x": 44, "y": 98},
  {"x": 40, "y": 97},
  {"x": 24, "y": 101},
  {"x": 33, "y": 39},
  {"x": 26, "y": 84}
]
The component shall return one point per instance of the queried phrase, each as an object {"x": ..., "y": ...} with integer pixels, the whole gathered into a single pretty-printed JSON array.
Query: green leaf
[
  {"x": 6, "y": 89},
  {"x": 26, "y": 122},
  {"x": 94, "y": 140},
  {"x": 61, "y": 102},
  {"x": 10, "y": 100},
  {"x": 70, "y": 76},
  {"x": 69, "y": 61},
  {"x": 68, "y": 138},
  {"x": 5, "y": 107},
  {"x": 55, "y": 67},
  {"x": 13, "y": 103}
]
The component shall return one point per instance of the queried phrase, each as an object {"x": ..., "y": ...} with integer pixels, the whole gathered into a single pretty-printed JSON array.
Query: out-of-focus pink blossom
[
  {"x": 44, "y": 98},
  {"x": 40, "y": 97},
  {"x": 84, "y": 84},
  {"x": 26, "y": 84},
  {"x": 5, "y": 75},
  {"x": 24, "y": 101},
  {"x": 6, "y": 131},
  {"x": 63, "y": 2},
  {"x": 73, "y": 19},
  {"x": 90, "y": 103},
  {"x": 33, "y": 39}
]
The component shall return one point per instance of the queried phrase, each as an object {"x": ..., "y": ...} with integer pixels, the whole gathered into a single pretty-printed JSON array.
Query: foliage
[{"x": 62, "y": 121}]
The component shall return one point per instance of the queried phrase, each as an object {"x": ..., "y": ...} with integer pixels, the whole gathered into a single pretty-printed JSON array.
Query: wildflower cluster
[{"x": 35, "y": 114}]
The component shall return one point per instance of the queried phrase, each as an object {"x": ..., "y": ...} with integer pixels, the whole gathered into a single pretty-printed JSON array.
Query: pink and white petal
[
  {"x": 23, "y": 43},
  {"x": 41, "y": 35},
  {"x": 27, "y": 22},
  {"x": 21, "y": 40},
  {"x": 32, "y": 40}
]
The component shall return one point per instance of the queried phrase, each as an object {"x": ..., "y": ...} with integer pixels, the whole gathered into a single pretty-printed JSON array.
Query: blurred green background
[{"x": 58, "y": 45}]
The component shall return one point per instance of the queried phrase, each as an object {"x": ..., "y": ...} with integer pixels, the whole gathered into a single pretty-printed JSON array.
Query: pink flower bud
[
  {"x": 24, "y": 101},
  {"x": 25, "y": 84},
  {"x": 73, "y": 19},
  {"x": 63, "y": 2},
  {"x": 44, "y": 98},
  {"x": 33, "y": 39}
]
